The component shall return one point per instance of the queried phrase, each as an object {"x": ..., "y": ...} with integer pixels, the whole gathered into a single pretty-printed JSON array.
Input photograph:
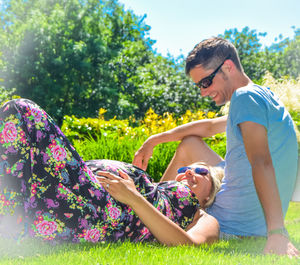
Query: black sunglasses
[{"x": 207, "y": 81}]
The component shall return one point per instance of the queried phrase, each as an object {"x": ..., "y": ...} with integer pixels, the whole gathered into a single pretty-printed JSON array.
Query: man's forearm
[
  {"x": 201, "y": 128},
  {"x": 268, "y": 194}
]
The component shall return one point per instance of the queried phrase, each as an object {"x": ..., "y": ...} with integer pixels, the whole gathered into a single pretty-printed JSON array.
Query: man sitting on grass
[{"x": 261, "y": 159}]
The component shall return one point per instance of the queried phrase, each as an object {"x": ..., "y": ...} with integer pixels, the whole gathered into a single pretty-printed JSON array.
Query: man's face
[{"x": 219, "y": 89}]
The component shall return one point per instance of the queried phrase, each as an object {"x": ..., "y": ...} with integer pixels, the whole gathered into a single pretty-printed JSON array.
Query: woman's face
[{"x": 198, "y": 179}]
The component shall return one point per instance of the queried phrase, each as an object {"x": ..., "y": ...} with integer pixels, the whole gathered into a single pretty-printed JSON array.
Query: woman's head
[{"x": 203, "y": 180}]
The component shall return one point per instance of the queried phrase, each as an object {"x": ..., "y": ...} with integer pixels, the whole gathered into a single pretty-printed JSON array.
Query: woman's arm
[
  {"x": 201, "y": 128},
  {"x": 205, "y": 230}
]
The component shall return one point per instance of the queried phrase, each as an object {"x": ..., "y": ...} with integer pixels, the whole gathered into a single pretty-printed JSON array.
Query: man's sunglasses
[
  {"x": 197, "y": 170},
  {"x": 207, "y": 81}
]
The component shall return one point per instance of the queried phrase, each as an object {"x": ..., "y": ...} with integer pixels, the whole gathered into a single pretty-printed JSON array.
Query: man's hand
[
  {"x": 142, "y": 156},
  {"x": 280, "y": 245}
]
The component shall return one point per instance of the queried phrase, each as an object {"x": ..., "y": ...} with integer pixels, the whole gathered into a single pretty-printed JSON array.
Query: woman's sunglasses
[
  {"x": 197, "y": 170},
  {"x": 207, "y": 81}
]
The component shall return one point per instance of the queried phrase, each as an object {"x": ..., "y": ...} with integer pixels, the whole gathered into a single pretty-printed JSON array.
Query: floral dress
[{"x": 47, "y": 191}]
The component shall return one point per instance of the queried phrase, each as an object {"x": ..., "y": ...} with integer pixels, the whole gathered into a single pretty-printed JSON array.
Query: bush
[{"x": 120, "y": 139}]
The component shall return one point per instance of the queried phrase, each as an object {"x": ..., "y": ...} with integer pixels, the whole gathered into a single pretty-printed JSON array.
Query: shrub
[{"x": 120, "y": 139}]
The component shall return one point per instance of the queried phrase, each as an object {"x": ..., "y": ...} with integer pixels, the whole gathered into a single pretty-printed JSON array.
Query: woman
[{"x": 48, "y": 191}]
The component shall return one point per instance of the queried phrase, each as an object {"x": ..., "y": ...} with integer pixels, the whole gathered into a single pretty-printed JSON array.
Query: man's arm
[
  {"x": 202, "y": 128},
  {"x": 257, "y": 149}
]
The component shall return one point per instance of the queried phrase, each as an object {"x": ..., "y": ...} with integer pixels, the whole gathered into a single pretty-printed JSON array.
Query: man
[{"x": 261, "y": 158}]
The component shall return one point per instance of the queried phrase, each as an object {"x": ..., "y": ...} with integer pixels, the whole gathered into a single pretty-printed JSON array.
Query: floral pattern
[{"x": 47, "y": 191}]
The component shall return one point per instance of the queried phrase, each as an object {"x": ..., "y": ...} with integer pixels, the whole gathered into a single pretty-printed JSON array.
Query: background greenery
[
  {"x": 97, "y": 138},
  {"x": 74, "y": 57}
]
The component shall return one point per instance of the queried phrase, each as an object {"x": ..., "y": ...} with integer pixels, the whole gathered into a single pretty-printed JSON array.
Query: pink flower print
[
  {"x": 92, "y": 235},
  {"x": 114, "y": 212},
  {"x": 58, "y": 152},
  {"x": 40, "y": 218},
  {"x": 145, "y": 231},
  {"x": 9, "y": 132},
  {"x": 33, "y": 188},
  {"x": 46, "y": 227},
  {"x": 182, "y": 192},
  {"x": 68, "y": 215},
  {"x": 37, "y": 115},
  {"x": 169, "y": 212}
]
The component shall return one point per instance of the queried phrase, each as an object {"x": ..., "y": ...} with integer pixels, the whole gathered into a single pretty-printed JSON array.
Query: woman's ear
[{"x": 206, "y": 200}]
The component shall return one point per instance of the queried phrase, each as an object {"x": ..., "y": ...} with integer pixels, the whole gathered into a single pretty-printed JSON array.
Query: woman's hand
[
  {"x": 121, "y": 188},
  {"x": 164, "y": 230}
]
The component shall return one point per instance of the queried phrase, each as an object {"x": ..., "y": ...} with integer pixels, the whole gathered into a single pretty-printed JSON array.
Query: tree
[
  {"x": 291, "y": 56},
  {"x": 63, "y": 49},
  {"x": 282, "y": 58},
  {"x": 250, "y": 50},
  {"x": 76, "y": 56}
]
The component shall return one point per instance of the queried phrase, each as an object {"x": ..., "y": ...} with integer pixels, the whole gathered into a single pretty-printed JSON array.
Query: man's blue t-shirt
[{"x": 237, "y": 207}]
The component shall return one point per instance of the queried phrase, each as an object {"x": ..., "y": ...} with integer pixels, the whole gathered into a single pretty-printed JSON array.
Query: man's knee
[{"x": 190, "y": 142}]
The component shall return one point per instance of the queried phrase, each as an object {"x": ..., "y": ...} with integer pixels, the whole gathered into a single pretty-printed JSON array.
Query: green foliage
[
  {"x": 280, "y": 59},
  {"x": 123, "y": 149},
  {"x": 63, "y": 49},
  {"x": 6, "y": 95},
  {"x": 73, "y": 57},
  {"x": 292, "y": 56},
  {"x": 217, "y": 143},
  {"x": 157, "y": 82},
  {"x": 75, "y": 128},
  {"x": 249, "y": 49},
  {"x": 97, "y": 138}
]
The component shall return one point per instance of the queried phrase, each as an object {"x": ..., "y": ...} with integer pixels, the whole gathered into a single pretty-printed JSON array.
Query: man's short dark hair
[{"x": 210, "y": 53}]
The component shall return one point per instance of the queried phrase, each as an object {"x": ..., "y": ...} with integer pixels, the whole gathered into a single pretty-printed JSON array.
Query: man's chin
[{"x": 218, "y": 103}]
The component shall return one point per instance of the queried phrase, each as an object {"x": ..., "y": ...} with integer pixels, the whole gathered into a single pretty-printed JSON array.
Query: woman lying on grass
[{"x": 47, "y": 191}]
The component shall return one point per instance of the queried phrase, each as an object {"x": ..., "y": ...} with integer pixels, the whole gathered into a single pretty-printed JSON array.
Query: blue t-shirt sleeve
[{"x": 248, "y": 106}]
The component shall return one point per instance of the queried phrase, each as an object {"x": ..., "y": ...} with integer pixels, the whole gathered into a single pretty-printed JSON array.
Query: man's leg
[{"x": 191, "y": 149}]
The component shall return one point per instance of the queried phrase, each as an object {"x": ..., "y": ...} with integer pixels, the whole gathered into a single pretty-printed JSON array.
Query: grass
[
  {"x": 110, "y": 147},
  {"x": 246, "y": 251}
]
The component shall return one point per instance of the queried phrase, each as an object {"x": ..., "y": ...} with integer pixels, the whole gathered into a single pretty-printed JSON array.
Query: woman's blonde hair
[{"x": 217, "y": 174}]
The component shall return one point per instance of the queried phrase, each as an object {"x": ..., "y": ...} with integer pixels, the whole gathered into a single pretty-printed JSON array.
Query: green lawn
[{"x": 247, "y": 251}]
